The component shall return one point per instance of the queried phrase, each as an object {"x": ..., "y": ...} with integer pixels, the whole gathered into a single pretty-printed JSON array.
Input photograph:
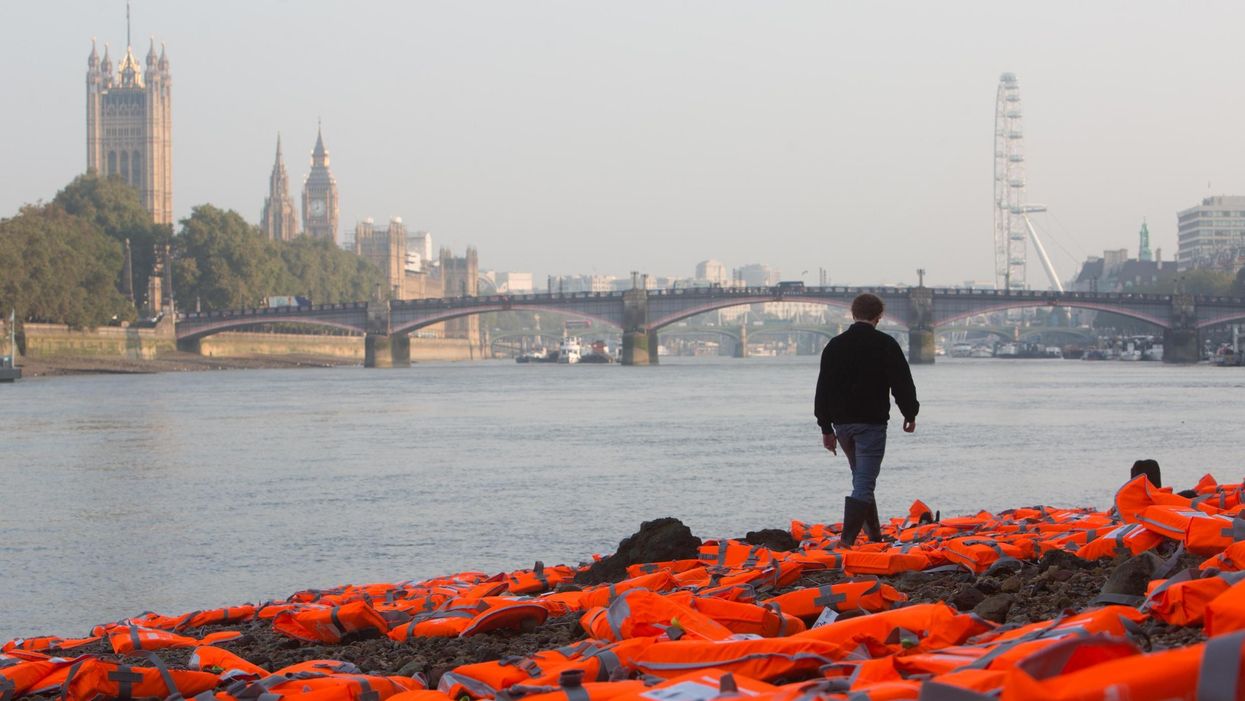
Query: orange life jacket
[
  {"x": 1210, "y": 670},
  {"x": 891, "y": 561},
  {"x": 207, "y": 658},
  {"x": 90, "y": 678},
  {"x": 1138, "y": 494},
  {"x": 866, "y": 594},
  {"x": 671, "y": 566},
  {"x": 330, "y": 625},
  {"x": 762, "y": 658},
  {"x": 1182, "y": 600},
  {"x": 1129, "y": 538},
  {"x": 126, "y": 639},
  {"x": 639, "y": 613},
  {"x": 47, "y": 642},
  {"x": 538, "y": 579}
]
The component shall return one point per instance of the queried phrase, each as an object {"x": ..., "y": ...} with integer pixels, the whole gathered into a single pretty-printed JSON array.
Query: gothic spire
[
  {"x": 164, "y": 58},
  {"x": 92, "y": 61},
  {"x": 151, "y": 55},
  {"x": 319, "y": 156}
]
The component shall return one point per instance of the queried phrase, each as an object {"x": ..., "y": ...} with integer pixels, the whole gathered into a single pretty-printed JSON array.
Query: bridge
[{"x": 642, "y": 313}]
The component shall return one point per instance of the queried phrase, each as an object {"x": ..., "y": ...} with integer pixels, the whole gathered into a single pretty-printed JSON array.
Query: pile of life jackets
[{"x": 729, "y": 623}]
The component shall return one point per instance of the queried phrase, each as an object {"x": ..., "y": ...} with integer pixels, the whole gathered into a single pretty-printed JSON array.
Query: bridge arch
[
  {"x": 1040, "y": 302},
  {"x": 446, "y": 315},
  {"x": 241, "y": 322},
  {"x": 1220, "y": 320},
  {"x": 715, "y": 304}
]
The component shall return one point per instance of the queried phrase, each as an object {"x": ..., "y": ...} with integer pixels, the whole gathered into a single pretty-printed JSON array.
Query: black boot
[
  {"x": 873, "y": 529},
  {"x": 855, "y": 512}
]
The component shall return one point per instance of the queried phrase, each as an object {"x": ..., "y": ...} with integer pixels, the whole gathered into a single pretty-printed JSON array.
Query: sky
[{"x": 573, "y": 136}]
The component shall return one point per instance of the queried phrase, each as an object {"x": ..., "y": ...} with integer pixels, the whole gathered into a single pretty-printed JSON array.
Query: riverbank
[
  {"x": 35, "y": 368},
  {"x": 985, "y": 602}
]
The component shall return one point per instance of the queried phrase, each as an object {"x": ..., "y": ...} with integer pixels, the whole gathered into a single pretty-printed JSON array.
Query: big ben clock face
[{"x": 317, "y": 207}]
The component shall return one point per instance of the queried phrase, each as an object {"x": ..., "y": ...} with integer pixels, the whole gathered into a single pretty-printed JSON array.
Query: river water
[{"x": 175, "y": 492}]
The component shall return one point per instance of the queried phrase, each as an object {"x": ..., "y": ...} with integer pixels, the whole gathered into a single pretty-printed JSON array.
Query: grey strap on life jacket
[
  {"x": 935, "y": 691},
  {"x": 1220, "y": 669}
]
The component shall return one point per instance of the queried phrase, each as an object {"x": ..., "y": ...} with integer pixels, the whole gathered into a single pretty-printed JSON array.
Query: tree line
[{"x": 64, "y": 261}]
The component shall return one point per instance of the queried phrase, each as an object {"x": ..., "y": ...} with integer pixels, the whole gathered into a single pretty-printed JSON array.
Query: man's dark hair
[
  {"x": 1149, "y": 468},
  {"x": 867, "y": 307}
]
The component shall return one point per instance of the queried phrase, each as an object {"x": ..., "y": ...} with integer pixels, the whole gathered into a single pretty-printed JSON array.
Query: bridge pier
[
  {"x": 920, "y": 347},
  {"x": 741, "y": 349},
  {"x": 387, "y": 351},
  {"x": 1181, "y": 346},
  {"x": 1180, "y": 342},
  {"x": 921, "y": 341},
  {"x": 189, "y": 345},
  {"x": 639, "y": 348}
]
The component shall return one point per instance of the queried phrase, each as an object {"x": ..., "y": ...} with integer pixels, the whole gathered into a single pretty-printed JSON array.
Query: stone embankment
[{"x": 1143, "y": 601}]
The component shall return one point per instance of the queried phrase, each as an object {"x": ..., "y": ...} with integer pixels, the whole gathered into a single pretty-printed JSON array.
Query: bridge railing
[{"x": 269, "y": 311}]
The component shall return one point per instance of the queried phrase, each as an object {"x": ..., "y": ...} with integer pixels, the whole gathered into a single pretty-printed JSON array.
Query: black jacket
[{"x": 859, "y": 367}]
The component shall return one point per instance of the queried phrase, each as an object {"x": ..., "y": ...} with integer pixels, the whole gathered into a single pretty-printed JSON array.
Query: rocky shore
[{"x": 1008, "y": 594}]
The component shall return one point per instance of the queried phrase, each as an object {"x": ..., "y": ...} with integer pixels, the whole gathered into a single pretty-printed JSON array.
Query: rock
[
  {"x": 1012, "y": 584},
  {"x": 657, "y": 540},
  {"x": 1062, "y": 559},
  {"x": 967, "y": 597},
  {"x": 995, "y": 608},
  {"x": 912, "y": 579},
  {"x": 988, "y": 585},
  {"x": 772, "y": 538},
  {"x": 1130, "y": 577}
]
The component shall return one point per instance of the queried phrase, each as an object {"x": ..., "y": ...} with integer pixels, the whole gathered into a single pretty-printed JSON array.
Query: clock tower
[{"x": 320, "y": 196}]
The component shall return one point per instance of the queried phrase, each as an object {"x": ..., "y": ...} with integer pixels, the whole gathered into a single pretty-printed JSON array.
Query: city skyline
[{"x": 557, "y": 138}]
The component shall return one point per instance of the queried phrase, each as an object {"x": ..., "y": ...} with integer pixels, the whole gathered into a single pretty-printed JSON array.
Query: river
[{"x": 181, "y": 491}]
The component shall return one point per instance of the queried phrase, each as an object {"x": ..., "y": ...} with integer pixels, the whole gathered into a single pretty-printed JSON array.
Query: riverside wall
[
  {"x": 240, "y": 344},
  {"x": 61, "y": 341}
]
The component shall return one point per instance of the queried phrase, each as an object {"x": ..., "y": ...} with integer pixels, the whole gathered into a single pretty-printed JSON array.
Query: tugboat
[
  {"x": 568, "y": 354},
  {"x": 599, "y": 354},
  {"x": 9, "y": 372}
]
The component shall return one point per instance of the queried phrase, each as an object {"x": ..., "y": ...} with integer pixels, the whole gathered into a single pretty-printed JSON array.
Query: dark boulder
[
  {"x": 995, "y": 607},
  {"x": 772, "y": 538},
  {"x": 657, "y": 540}
]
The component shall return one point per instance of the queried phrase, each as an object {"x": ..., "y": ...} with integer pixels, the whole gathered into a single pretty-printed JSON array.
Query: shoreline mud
[{"x": 43, "y": 368}]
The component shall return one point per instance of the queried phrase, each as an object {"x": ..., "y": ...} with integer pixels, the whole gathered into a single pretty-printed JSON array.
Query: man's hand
[
  {"x": 827, "y": 439},
  {"x": 909, "y": 425}
]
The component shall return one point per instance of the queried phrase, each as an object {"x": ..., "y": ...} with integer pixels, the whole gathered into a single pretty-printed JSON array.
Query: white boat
[
  {"x": 1154, "y": 352},
  {"x": 981, "y": 352},
  {"x": 569, "y": 353},
  {"x": 1008, "y": 350},
  {"x": 961, "y": 350}
]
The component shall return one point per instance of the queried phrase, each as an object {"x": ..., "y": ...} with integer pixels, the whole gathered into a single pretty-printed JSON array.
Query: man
[{"x": 859, "y": 367}]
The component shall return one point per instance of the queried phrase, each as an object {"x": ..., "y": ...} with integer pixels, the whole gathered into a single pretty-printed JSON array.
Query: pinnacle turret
[
  {"x": 164, "y": 58},
  {"x": 92, "y": 61},
  {"x": 151, "y": 55}
]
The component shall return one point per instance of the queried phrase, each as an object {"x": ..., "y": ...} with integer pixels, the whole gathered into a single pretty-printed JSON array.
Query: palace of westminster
[{"x": 129, "y": 134}]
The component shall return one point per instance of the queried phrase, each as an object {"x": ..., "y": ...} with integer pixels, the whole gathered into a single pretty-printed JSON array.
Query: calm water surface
[{"x": 175, "y": 492}]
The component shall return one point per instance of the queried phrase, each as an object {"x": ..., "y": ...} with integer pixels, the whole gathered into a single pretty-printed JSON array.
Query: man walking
[{"x": 859, "y": 367}]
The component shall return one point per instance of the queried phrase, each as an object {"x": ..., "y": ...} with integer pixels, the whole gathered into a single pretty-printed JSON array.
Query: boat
[
  {"x": 1130, "y": 354},
  {"x": 1007, "y": 350},
  {"x": 1073, "y": 352},
  {"x": 539, "y": 355},
  {"x": 599, "y": 353},
  {"x": 9, "y": 372},
  {"x": 1096, "y": 354},
  {"x": 961, "y": 350},
  {"x": 1154, "y": 352},
  {"x": 981, "y": 352},
  {"x": 569, "y": 353}
]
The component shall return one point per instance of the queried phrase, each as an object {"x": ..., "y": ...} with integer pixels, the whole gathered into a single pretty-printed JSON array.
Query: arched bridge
[{"x": 642, "y": 313}]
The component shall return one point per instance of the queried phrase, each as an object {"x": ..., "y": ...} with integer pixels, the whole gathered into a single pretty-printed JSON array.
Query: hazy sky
[{"x": 578, "y": 136}]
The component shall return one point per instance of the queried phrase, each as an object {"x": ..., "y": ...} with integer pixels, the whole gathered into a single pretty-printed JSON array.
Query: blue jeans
[{"x": 864, "y": 445}]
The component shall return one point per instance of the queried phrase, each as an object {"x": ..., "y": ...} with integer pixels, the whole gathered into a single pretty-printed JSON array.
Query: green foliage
[
  {"x": 115, "y": 209},
  {"x": 55, "y": 267},
  {"x": 1238, "y": 285},
  {"x": 223, "y": 262}
]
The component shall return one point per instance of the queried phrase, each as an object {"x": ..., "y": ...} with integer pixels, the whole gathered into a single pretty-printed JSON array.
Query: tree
[
  {"x": 223, "y": 262},
  {"x": 116, "y": 209},
  {"x": 55, "y": 267},
  {"x": 1238, "y": 285}
]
